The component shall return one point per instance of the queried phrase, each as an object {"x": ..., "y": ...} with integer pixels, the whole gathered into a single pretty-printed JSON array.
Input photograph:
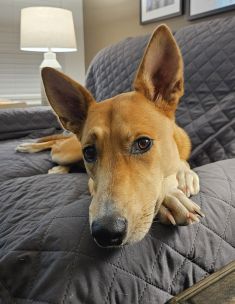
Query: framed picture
[
  {"x": 154, "y": 10},
  {"x": 201, "y": 8}
]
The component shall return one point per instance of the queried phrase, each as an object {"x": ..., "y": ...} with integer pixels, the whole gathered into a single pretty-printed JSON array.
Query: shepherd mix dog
[{"x": 134, "y": 153}]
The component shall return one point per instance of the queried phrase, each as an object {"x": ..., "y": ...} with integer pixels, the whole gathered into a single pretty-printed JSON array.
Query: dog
[{"x": 133, "y": 151}]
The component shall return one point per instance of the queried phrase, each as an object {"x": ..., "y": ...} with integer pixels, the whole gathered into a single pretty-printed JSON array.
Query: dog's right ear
[{"x": 68, "y": 99}]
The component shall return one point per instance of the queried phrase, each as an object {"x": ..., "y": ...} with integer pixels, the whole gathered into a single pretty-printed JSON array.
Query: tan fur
[
  {"x": 67, "y": 151},
  {"x": 53, "y": 137},
  {"x": 135, "y": 186},
  {"x": 183, "y": 143}
]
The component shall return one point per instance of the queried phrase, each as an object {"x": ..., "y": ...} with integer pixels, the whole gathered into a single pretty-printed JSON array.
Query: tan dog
[{"x": 133, "y": 151}]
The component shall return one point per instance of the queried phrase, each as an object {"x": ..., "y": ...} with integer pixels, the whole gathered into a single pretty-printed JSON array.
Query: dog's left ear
[
  {"x": 160, "y": 74},
  {"x": 68, "y": 99}
]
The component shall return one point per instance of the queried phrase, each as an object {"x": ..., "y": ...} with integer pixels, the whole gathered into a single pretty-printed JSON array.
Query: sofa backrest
[
  {"x": 112, "y": 70},
  {"x": 207, "y": 110}
]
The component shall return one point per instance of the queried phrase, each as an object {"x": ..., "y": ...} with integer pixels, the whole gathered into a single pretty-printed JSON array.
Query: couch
[{"x": 47, "y": 255}]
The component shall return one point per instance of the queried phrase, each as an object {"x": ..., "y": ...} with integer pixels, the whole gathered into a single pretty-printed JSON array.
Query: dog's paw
[
  {"x": 59, "y": 170},
  {"x": 178, "y": 209},
  {"x": 188, "y": 181},
  {"x": 25, "y": 148}
]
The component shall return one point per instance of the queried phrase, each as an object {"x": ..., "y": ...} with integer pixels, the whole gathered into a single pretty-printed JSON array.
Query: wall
[
  {"x": 19, "y": 70},
  {"x": 74, "y": 63},
  {"x": 108, "y": 21}
]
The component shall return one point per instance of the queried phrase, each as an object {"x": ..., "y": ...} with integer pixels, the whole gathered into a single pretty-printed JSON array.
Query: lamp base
[{"x": 48, "y": 61}]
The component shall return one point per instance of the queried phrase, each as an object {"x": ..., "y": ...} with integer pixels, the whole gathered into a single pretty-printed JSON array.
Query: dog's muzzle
[{"x": 109, "y": 230}]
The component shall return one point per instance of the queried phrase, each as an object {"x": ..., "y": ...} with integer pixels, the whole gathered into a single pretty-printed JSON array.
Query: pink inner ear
[
  {"x": 160, "y": 74},
  {"x": 162, "y": 64},
  {"x": 70, "y": 102}
]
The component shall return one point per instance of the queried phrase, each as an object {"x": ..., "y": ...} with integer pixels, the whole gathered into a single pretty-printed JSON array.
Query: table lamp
[{"x": 49, "y": 30}]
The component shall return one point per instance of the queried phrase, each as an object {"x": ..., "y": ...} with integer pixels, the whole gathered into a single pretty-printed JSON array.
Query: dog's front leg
[
  {"x": 177, "y": 208},
  {"x": 59, "y": 170},
  {"x": 188, "y": 180}
]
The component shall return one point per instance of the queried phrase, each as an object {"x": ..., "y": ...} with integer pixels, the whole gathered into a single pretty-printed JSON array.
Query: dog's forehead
[
  {"x": 123, "y": 107},
  {"x": 126, "y": 113}
]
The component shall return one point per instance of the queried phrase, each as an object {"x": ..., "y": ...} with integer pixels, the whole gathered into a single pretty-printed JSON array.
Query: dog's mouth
[
  {"x": 117, "y": 243},
  {"x": 112, "y": 246}
]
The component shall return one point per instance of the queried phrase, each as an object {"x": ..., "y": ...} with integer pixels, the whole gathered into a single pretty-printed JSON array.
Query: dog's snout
[{"x": 109, "y": 230}]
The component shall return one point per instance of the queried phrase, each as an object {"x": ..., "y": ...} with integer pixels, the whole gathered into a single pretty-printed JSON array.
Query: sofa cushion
[
  {"x": 25, "y": 125},
  {"x": 48, "y": 255},
  {"x": 16, "y": 123}
]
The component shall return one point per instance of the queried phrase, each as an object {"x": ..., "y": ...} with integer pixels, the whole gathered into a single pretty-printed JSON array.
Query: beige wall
[{"x": 109, "y": 21}]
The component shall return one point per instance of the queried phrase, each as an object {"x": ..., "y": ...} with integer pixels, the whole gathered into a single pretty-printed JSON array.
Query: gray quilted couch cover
[
  {"x": 47, "y": 255},
  {"x": 207, "y": 109}
]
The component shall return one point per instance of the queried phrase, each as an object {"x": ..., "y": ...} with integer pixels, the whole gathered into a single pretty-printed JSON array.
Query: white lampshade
[{"x": 46, "y": 29}]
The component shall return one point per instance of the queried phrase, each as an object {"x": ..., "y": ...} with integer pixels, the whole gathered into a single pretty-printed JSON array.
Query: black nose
[{"x": 109, "y": 230}]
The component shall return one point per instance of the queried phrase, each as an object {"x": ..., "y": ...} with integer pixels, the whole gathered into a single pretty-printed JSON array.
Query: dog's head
[{"x": 127, "y": 141}]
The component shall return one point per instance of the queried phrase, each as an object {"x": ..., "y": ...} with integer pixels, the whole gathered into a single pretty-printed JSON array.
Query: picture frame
[
  {"x": 155, "y": 10},
  {"x": 200, "y": 8}
]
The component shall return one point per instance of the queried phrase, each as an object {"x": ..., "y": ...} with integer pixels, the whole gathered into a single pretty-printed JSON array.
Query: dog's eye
[
  {"x": 90, "y": 154},
  {"x": 141, "y": 145}
]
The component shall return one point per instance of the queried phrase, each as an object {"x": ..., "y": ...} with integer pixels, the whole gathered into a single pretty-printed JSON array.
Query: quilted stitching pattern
[
  {"x": 52, "y": 240},
  {"x": 47, "y": 255},
  {"x": 112, "y": 70},
  {"x": 207, "y": 109},
  {"x": 22, "y": 164},
  {"x": 208, "y": 106},
  {"x": 16, "y": 123},
  {"x": 24, "y": 125}
]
